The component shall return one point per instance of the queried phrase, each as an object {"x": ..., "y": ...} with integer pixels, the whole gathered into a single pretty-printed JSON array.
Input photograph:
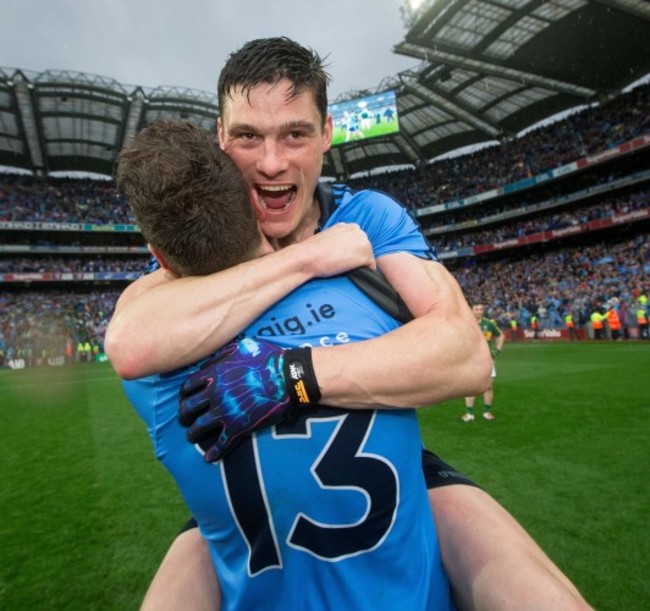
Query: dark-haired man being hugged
[{"x": 274, "y": 125}]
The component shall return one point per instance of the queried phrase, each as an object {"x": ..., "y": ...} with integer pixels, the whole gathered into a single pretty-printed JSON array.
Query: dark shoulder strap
[
  {"x": 369, "y": 281},
  {"x": 374, "y": 285},
  {"x": 325, "y": 197}
]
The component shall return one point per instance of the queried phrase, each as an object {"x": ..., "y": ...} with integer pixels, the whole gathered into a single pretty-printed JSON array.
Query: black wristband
[{"x": 300, "y": 377}]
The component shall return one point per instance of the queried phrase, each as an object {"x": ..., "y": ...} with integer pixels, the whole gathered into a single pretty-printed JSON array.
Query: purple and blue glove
[{"x": 246, "y": 385}]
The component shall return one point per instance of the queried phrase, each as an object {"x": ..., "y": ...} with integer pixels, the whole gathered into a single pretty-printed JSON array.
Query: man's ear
[
  {"x": 328, "y": 132},
  {"x": 220, "y": 133},
  {"x": 156, "y": 253}
]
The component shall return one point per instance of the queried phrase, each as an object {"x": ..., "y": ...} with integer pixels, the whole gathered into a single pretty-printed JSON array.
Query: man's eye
[{"x": 243, "y": 136}]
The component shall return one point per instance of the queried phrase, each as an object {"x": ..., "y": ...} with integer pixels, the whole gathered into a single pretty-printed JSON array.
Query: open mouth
[{"x": 275, "y": 198}]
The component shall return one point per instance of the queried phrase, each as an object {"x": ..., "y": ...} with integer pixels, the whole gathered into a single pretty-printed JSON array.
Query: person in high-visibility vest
[
  {"x": 534, "y": 325},
  {"x": 69, "y": 351},
  {"x": 513, "y": 329},
  {"x": 570, "y": 326},
  {"x": 614, "y": 322},
  {"x": 642, "y": 323},
  {"x": 596, "y": 319}
]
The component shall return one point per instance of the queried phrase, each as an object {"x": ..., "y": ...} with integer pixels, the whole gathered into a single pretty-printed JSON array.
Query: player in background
[
  {"x": 495, "y": 339},
  {"x": 275, "y": 126},
  {"x": 353, "y": 129}
]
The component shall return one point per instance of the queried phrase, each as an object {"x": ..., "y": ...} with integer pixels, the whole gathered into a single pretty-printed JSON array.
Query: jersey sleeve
[{"x": 389, "y": 226}]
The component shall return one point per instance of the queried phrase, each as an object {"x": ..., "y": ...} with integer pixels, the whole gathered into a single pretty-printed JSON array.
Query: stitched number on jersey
[
  {"x": 345, "y": 465},
  {"x": 342, "y": 464},
  {"x": 243, "y": 486}
]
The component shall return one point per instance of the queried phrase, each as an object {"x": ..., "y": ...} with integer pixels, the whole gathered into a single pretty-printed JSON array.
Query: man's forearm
[
  {"x": 170, "y": 323},
  {"x": 179, "y": 322},
  {"x": 438, "y": 356},
  {"x": 419, "y": 364}
]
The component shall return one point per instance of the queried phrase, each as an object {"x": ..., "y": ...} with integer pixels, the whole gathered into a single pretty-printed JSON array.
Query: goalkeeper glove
[{"x": 246, "y": 385}]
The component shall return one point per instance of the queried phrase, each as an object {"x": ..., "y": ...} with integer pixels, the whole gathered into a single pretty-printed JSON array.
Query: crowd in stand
[
  {"x": 37, "y": 325},
  {"x": 571, "y": 280},
  {"x": 589, "y": 131},
  {"x": 581, "y": 185},
  {"x": 548, "y": 284},
  {"x": 72, "y": 264},
  {"x": 586, "y": 132},
  {"x": 557, "y": 219},
  {"x": 61, "y": 200}
]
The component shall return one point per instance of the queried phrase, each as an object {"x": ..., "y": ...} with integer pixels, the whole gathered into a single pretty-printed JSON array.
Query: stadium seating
[{"x": 550, "y": 223}]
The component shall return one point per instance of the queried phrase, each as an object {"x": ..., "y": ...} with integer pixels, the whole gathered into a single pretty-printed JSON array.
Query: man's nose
[{"x": 273, "y": 160}]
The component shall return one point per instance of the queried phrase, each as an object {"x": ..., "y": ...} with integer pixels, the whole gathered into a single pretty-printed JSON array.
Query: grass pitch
[
  {"x": 566, "y": 455},
  {"x": 87, "y": 513}
]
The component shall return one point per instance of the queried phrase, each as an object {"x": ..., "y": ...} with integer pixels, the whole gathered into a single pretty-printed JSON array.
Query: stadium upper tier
[
  {"x": 588, "y": 133},
  {"x": 487, "y": 71}
]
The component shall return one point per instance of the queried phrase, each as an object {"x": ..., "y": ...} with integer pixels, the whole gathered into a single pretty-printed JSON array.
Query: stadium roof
[
  {"x": 70, "y": 121},
  {"x": 487, "y": 70}
]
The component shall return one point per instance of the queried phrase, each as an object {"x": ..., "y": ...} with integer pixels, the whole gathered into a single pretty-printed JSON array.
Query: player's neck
[{"x": 307, "y": 227}]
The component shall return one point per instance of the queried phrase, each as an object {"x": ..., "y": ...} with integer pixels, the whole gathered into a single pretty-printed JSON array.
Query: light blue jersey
[
  {"x": 389, "y": 226},
  {"x": 328, "y": 511}
]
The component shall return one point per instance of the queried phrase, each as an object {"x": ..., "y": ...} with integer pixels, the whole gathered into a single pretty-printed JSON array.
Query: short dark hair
[
  {"x": 188, "y": 197},
  {"x": 269, "y": 60}
]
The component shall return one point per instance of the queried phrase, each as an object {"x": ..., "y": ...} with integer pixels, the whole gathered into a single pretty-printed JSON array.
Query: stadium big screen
[{"x": 363, "y": 118}]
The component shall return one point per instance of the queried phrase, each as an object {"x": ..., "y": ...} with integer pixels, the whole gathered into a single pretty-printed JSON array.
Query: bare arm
[
  {"x": 438, "y": 356},
  {"x": 162, "y": 323}
]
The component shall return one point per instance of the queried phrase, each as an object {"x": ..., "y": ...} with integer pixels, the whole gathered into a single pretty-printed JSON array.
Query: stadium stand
[
  {"x": 68, "y": 248},
  {"x": 539, "y": 219},
  {"x": 569, "y": 235}
]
